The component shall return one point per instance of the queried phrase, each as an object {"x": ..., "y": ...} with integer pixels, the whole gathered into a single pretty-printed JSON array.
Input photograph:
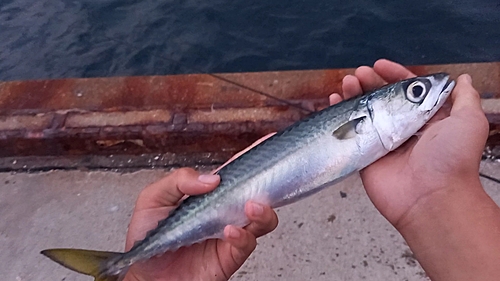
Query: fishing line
[
  {"x": 216, "y": 76},
  {"x": 489, "y": 177}
]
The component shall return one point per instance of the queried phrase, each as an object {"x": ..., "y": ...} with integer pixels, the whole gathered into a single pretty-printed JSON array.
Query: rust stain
[
  {"x": 135, "y": 92},
  {"x": 198, "y": 91},
  {"x": 175, "y": 91},
  {"x": 89, "y": 94},
  {"x": 30, "y": 94}
]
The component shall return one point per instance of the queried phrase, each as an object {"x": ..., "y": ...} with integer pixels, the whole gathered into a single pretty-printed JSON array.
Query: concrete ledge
[
  {"x": 36, "y": 122},
  {"x": 115, "y": 119}
]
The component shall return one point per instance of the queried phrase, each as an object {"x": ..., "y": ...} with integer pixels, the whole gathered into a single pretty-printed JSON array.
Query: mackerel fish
[{"x": 295, "y": 163}]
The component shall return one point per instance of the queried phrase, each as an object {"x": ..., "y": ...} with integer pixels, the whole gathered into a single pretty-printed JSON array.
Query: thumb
[
  {"x": 168, "y": 191},
  {"x": 464, "y": 97},
  {"x": 467, "y": 110}
]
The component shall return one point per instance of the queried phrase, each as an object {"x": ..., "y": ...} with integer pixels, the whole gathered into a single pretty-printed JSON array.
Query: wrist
[
  {"x": 442, "y": 202},
  {"x": 454, "y": 233}
]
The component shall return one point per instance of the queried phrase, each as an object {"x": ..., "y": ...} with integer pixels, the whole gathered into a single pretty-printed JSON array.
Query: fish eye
[{"x": 416, "y": 91}]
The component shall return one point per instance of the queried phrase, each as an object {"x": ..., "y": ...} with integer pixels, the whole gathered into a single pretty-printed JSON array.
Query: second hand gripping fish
[{"x": 299, "y": 161}]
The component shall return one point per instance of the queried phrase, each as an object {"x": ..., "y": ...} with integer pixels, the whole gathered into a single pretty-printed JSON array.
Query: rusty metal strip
[{"x": 201, "y": 91}]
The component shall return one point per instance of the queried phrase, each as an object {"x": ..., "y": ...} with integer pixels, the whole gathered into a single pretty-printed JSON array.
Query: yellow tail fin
[{"x": 83, "y": 261}]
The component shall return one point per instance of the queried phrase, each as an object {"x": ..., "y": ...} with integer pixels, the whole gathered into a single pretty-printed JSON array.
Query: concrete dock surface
[{"x": 336, "y": 234}]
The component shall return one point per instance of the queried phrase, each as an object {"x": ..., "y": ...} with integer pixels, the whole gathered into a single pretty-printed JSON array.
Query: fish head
[{"x": 399, "y": 110}]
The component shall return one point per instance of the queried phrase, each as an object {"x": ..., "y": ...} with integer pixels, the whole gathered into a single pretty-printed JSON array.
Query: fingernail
[
  {"x": 346, "y": 77},
  {"x": 233, "y": 233},
  {"x": 208, "y": 179},
  {"x": 468, "y": 78},
  {"x": 257, "y": 209}
]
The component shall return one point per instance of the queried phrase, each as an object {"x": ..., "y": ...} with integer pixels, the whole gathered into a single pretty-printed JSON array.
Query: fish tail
[{"x": 87, "y": 262}]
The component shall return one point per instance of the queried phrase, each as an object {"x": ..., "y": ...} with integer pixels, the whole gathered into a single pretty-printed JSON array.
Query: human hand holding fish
[
  {"x": 365, "y": 128},
  {"x": 437, "y": 154},
  {"x": 214, "y": 259},
  {"x": 429, "y": 188}
]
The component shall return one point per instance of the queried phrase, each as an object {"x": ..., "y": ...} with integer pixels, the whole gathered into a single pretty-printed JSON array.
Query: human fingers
[
  {"x": 391, "y": 71},
  {"x": 244, "y": 240},
  {"x": 262, "y": 218},
  {"x": 351, "y": 87},
  {"x": 464, "y": 96},
  {"x": 368, "y": 78},
  {"x": 242, "y": 243},
  {"x": 170, "y": 189},
  {"x": 466, "y": 106},
  {"x": 257, "y": 142},
  {"x": 334, "y": 98}
]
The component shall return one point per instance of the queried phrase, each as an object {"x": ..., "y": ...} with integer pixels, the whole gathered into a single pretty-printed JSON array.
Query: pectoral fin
[{"x": 348, "y": 130}]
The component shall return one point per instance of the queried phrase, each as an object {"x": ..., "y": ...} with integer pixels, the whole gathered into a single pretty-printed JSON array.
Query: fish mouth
[
  {"x": 442, "y": 87},
  {"x": 445, "y": 91}
]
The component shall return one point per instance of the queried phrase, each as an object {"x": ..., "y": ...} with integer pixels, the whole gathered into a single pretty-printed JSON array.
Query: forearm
[{"x": 455, "y": 234}]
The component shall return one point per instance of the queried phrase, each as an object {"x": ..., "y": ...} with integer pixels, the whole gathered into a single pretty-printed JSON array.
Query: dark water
[{"x": 69, "y": 38}]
